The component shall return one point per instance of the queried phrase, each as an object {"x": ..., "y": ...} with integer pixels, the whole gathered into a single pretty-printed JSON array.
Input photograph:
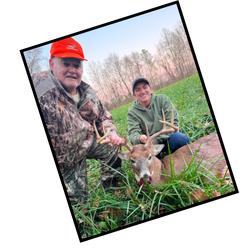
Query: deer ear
[
  {"x": 125, "y": 155},
  {"x": 156, "y": 149}
]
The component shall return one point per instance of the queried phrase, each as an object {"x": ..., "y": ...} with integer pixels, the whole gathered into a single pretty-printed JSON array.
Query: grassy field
[{"x": 115, "y": 208}]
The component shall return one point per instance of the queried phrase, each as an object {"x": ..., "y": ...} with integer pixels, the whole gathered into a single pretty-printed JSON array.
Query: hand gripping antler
[
  {"x": 104, "y": 139},
  {"x": 172, "y": 128}
]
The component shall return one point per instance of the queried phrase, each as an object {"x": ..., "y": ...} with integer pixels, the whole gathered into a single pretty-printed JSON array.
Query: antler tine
[
  {"x": 99, "y": 139},
  {"x": 172, "y": 128},
  {"x": 102, "y": 140},
  {"x": 163, "y": 116},
  {"x": 148, "y": 138},
  {"x": 172, "y": 120},
  {"x": 126, "y": 143},
  {"x": 172, "y": 115}
]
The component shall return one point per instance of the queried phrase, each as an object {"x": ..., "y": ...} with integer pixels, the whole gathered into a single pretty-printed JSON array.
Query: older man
[{"x": 70, "y": 107}]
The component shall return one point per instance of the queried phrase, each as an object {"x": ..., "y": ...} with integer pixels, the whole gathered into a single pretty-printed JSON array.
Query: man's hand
[
  {"x": 114, "y": 140},
  {"x": 143, "y": 139}
]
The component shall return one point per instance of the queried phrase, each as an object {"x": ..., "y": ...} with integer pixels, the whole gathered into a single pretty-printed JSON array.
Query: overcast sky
[{"x": 124, "y": 37}]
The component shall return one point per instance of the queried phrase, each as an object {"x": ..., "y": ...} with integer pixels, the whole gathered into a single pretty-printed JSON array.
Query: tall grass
[{"x": 107, "y": 210}]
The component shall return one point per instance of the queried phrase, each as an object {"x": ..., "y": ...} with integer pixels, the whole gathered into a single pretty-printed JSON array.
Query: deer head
[
  {"x": 142, "y": 156},
  {"x": 142, "y": 159}
]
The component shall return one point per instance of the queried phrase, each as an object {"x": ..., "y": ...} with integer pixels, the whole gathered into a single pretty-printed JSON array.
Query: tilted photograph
[{"x": 129, "y": 121}]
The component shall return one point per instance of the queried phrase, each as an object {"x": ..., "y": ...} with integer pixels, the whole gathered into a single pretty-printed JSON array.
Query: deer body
[
  {"x": 148, "y": 168},
  {"x": 209, "y": 153},
  {"x": 158, "y": 168}
]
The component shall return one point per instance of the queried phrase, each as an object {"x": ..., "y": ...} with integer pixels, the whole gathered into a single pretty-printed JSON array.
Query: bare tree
[
  {"x": 35, "y": 60},
  {"x": 117, "y": 67},
  {"x": 186, "y": 53},
  {"x": 178, "y": 55},
  {"x": 148, "y": 59},
  {"x": 110, "y": 80},
  {"x": 94, "y": 70},
  {"x": 169, "y": 46},
  {"x": 174, "y": 52},
  {"x": 163, "y": 59},
  {"x": 129, "y": 69},
  {"x": 136, "y": 58}
]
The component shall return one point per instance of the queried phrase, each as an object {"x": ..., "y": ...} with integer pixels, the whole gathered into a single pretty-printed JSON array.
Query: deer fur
[
  {"x": 149, "y": 168},
  {"x": 144, "y": 164}
]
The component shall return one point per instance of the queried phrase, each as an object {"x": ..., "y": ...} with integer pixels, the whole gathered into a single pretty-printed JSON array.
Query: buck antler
[
  {"x": 99, "y": 139},
  {"x": 172, "y": 128},
  {"x": 104, "y": 139}
]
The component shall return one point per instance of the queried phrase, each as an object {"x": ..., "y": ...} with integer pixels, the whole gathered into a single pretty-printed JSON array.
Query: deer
[{"x": 148, "y": 168}]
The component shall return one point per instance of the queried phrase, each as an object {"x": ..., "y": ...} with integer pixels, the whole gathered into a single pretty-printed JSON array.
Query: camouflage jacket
[{"x": 70, "y": 126}]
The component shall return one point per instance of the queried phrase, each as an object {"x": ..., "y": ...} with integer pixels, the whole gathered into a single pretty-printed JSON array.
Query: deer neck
[{"x": 157, "y": 168}]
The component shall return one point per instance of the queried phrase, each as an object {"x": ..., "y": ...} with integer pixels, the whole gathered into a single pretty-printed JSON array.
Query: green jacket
[{"x": 138, "y": 116}]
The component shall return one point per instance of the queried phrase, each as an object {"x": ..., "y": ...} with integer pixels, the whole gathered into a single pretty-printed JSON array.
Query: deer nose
[{"x": 147, "y": 178}]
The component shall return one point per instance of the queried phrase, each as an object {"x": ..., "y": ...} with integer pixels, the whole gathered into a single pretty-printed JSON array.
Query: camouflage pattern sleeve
[{"x": 72, "y": 136}]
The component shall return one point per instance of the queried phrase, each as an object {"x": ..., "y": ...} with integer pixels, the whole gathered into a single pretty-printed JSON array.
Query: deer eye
[
  {"x": 133, "y": 161},
  {"x": 150, "y": 157}
]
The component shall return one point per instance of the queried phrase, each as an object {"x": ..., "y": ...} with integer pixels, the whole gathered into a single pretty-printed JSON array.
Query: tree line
[{"x": 171, "y": 62}]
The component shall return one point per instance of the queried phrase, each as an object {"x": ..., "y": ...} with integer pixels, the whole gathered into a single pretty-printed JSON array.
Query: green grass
[{"x": 106, "y": 210}]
